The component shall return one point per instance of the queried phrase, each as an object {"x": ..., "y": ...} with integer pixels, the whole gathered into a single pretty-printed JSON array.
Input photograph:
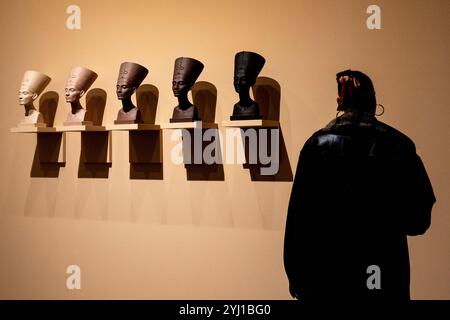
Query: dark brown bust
[
  {"x": 186, "y": 71},
  {"x": 130, "y": 77}
]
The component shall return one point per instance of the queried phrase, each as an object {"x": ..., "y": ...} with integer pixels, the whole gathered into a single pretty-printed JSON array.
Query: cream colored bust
[
  {"x": 32, "y": 85},
  {"x": 80, "y": 80}
]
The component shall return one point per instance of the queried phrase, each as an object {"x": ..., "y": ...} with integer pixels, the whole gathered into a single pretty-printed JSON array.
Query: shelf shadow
[
  {"x": 267, "y": 92},
  {"x": 48, "y": 103},
  {"x": 145, "y": 154},
  {"x": 146, "y": 171},
  {"x": 204, "y": 172},
  {"x": 204, "y": 96},
  {"x": 284, "y": 172},
  {"x": 145, "y": 147},
  {"x": 198, "y": 168},
  {"x": 147, "y": 97},
  {"x": 95, "y": 106},
  {"x": 94, "y": 155},
  {"x": 46, "y": 156}
]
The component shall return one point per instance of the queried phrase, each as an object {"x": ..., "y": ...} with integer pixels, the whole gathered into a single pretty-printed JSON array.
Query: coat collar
[{"x": 353, "y": 118}]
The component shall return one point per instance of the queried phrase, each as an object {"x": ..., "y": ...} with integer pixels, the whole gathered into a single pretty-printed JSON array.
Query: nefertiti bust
[
  {"x": 80, "y": 80},
  {"x": 32, "y": 85},
  {"x": 247, "y": 66},
  {"x": 130, "y": 77},
  {"x": 186, "y": 72}
]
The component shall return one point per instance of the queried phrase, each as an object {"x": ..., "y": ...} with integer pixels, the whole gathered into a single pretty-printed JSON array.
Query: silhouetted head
[
  {"x": 186, "y": 72},
  {"x": 130, "y": 77},
  {"x": 355, "y": 92},
  {"x": 247, "y": 66}
]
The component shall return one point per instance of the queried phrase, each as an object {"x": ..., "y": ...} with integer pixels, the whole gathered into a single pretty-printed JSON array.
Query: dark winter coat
[{"x": 359, "y": 190}]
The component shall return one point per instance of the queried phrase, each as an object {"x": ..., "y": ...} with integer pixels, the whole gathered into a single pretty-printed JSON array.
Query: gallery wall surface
[{"x": 174, "y": 238}]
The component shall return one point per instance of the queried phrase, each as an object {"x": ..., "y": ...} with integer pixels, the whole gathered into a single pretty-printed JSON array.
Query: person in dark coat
[{"x": 360, "y": 189}]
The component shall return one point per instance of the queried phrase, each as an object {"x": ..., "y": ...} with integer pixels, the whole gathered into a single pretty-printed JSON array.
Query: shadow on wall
[
  {"x": 95, "y": 148},
  {"x": 45, "y": 160},
  {"x": 48, "y": 103},
  {"x": 147, "y": 97},
  {"x": 145, "y": 155},
  {"x": 95, "y": 106},
  {"x": 267, "y": 92},
  {"x": 203, "y": 171},
  {"x": 145, "y": 161},
  {"x": 48, "y": 145},
  {"x": 204, "y": 96},
  {"x": 94, "y": 155}
]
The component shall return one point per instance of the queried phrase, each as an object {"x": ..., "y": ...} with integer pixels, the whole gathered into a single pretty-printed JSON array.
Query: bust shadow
[
  {"x": 145, "y": 147},
  {"x": 147, "y": 97},
  {"x": 267, "y": 93},
  {"x": 48, "y": 103},
  {"x": 95, "y": 106},
  {"x": 204, "y": 96},
  {"x": 94, "y": 145}
]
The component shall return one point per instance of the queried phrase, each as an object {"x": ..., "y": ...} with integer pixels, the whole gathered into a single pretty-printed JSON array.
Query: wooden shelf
[
  {"x": 133, "y": 126},
  {"x": 189, "y": 125},
  {"x": 80, "y": 128},
  {"x": 32, "y": 129},
  {"x": 251, "y": 123}
]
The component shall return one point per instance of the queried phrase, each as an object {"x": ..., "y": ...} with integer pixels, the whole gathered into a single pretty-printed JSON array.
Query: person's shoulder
[
  {"x": 332, "y": 134},
  {"x": 318, "y": 139},
  {"x": 323, "y": 133},
  {"x": 402, "y": 142}
]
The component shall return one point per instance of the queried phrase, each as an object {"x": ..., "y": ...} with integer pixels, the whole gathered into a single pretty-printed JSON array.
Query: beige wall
[{"x": 174, "y": 238}]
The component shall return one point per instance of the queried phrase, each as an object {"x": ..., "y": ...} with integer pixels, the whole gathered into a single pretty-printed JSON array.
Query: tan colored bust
[
  {"x": 33, "y": 84},
  {"x": 80, "y": 80}
]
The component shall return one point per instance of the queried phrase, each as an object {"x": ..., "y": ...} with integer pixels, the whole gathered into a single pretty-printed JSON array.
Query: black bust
[
  {"x": 186, "y": 72},
  {"x": 247, "y": 66}
]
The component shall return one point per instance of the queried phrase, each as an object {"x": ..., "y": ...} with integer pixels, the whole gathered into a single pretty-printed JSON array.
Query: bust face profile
[
  {"x": 33, "y": 83},
  {"x": 242, "y": 83},
  {"x": 26, "y": 97},
  {"x": 179, "y": 87},
  {"x": 73, "y": 94},
  {"x": 130, "y": 77},
  {"x": 80, "y": 80},
  {"x": 124, "y": 91}
]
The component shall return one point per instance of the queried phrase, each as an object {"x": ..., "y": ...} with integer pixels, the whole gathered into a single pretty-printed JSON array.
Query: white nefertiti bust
[
  {"x": 33, "y": 84},
  {"x": 80, "y": 80}
]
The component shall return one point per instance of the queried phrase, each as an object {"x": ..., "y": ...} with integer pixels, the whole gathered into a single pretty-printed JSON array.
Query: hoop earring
[
  {"x": 337, "y": 113},
  {"x": 382, "y": 112}
]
